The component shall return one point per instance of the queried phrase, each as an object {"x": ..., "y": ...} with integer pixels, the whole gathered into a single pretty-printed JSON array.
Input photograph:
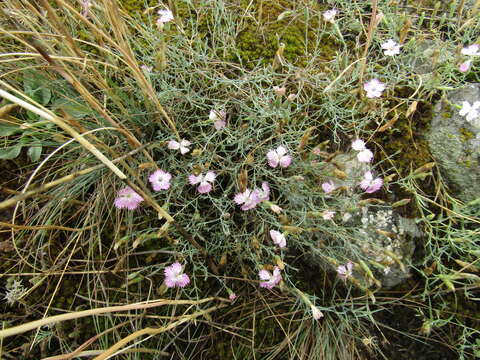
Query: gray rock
[
  {"x": 455, "y": 143},
  {"x": 386, "y": 240}
]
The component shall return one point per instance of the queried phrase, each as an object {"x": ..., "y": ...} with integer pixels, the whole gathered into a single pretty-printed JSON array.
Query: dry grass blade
[{"x": 80, "y": 314}]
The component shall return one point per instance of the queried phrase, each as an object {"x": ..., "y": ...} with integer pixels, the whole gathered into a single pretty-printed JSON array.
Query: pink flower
[
  {"x": 329, "y": 15},
  {"x": 278, "y": 238},
  {"x": 182, "y": 145},
  {"x": 472, "y": 50},
  {"x": 279, "y": 157},
  {"x": 86, "y": 5},
  {"x": 391, "y": 48},
  {"x": 345, "y": 271},
  {"x": 270, "y": 279},
  {"x": 369, "y": 184},
  {"x": 127, "y": 198},
  {"x": 165, "y": 16},
  {"x": 218, "y": 118},
  {"x": 328, "y": 215},
  {"x": 465, "y": 66},
  {"x": 205, "y": 181},
  {"x": 160, "y": 180},
  {"x": 174, "y": 276},
  {"x": 328, "y": 186},
  {"x": 262, "y": 194},
  {"x": 374, "y": 88},
  {"x": 232, "y": 296},
  {"x": 247, "y": 198},
  {"x": 364, "y": 155}
]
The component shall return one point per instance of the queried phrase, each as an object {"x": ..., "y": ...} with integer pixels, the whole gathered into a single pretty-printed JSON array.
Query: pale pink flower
[
  {"x": 465, "y": 66},
  {"x": 160, "y": 180},
  {"x": 232, "y": 296},
  {"x": 345, "y": 271},
  {"x": 218, "y": 118},
  {"x": 165, "y": 16},
  {"x": 391, "y": 48},
  {"x": 316, "y": 313},
  {"x": 328, "y": 186},
  {"x": 329, "y": 15},
  {"x": 278, "y": 238},
  {"x": 205, "y": 181},
  {"x": 279, "y": 91},
  {"x": 369, "y": 184},
  {"x": 127, "y": 198},
  {"x": 182, "y": 146},
  {"x": 270, "y": 280},
  {"x": 262, "y": 194},
  {"x": 374, "y": 88},
  {"x": 472, "y": 50},
  {"x": 174, "y": 276},
  {"x": 247, "y": 198},
  {"x": 279, "y": 157},
  {"x": 364, "y": 155},
  {"x": 276, "y": 209},
  {"x": 328, "y": 215},
  {"x": 86, "y": 5}
]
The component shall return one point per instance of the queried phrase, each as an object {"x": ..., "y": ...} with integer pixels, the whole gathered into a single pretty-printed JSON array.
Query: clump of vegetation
[{"x": 225, "y": 180}]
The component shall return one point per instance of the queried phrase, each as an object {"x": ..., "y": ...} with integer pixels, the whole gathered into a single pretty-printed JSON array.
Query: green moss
[{"x": 262, "y": 36}]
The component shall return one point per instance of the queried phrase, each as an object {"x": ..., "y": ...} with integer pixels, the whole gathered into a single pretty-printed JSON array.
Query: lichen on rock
[{"x": 455, "y": 143}]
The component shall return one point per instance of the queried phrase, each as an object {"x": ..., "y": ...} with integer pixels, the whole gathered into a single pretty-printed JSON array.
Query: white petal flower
[
  {"x": 165, "y": 16},
  {"x": 391, "y": 48},
  {"x": 472, "y": 50}
]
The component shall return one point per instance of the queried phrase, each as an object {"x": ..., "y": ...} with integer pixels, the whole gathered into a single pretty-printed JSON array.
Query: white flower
[
  {"x": 374, "y": 88},
  {"x": 391, "y": 48},
  {"x": 329, "y": 15},
  {"x": 165, "y": 16},
  {"x": 182, "y": 145},
  {"x": 471, "y": 112},
  {"x": 472, "y": 50}
]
